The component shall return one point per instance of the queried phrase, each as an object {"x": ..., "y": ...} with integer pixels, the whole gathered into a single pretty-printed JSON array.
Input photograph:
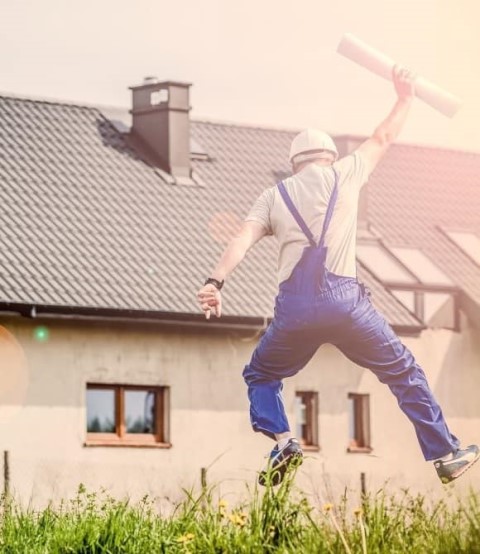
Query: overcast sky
[{"x": 267, "y": 62}]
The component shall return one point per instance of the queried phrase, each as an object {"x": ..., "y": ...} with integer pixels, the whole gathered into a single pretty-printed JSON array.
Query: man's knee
[
  {"x": 249, "y": 374},
  {"x": 400, "y": 373},
  {"x": 255, "y": 374}
]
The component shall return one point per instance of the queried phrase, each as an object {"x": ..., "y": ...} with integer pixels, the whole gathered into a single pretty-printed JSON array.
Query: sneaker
[
  {"x": 461, "y": 461},
  {"x": 279, "y": 462}
]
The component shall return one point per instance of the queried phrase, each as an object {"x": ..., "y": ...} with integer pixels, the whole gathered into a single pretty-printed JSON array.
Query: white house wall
[{"x": 43, "y": 414}]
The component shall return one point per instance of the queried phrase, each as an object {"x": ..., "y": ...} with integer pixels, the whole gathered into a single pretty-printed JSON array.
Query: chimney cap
[{"x": 151, "y": 81}]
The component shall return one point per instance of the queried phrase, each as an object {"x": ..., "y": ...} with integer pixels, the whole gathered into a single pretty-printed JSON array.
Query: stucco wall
[{"x": 42, "y": 411}]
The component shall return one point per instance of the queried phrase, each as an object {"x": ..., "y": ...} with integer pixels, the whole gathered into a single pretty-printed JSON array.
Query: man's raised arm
[{"x": 374, "y": 148}]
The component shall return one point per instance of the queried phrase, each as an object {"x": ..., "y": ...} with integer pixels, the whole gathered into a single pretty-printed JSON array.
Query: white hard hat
[{"x": 312, "y": 142}]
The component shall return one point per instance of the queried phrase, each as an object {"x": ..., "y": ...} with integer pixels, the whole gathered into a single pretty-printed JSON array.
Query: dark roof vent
[{"x": 150, "y": 80}]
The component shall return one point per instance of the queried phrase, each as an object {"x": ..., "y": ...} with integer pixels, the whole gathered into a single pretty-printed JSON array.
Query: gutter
[
  {"x": 171, "y": 319},
  {"x": 164, "y": 319}
]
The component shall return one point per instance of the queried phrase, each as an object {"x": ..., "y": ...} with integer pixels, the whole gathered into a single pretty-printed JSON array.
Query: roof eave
[
  {"x": 34, "y": 311},
  {"x": 171, "y": 319}
]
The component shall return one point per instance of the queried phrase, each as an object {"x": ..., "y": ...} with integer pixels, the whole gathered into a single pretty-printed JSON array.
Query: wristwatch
[{"x": 215, "y": 282}]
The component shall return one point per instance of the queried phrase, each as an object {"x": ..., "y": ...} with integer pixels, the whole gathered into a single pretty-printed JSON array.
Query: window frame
[
  {"x": 450, "y": 232},
  {"x": 310, "y": 400},
  {"x": 409, "y": 279},
  {"x": 419, "y": 302},
  {"x": 418, "y": 287},
  {"x": 362, "y": 441},
  {"x": 159, "y": 439},
  {"x": 400, "y": 253}
]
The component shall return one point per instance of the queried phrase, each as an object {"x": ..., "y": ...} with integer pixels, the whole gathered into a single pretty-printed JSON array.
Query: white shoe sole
[{"x": 462, "y": 470}]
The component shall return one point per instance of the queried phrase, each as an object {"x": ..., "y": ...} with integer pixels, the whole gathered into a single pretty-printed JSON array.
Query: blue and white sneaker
[
  {"x": 280, "y": 461},
  {"x": 461, "y": 461}
]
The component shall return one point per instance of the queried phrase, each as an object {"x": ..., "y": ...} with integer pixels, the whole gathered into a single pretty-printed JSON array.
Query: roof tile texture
[{"x": 87, "y": 223}]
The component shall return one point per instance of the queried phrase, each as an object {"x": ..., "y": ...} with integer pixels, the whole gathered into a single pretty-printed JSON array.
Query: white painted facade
[{"x": 43, "y": 411}]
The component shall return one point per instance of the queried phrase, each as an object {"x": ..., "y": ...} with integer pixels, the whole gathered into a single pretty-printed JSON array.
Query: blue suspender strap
[
  {"x": 330, "y": 208},
  {"x": 296, "y": 215},
  {"x": 298, "y": 218}
]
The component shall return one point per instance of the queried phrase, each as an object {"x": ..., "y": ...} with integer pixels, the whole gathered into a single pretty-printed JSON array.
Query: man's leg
[
  {"x": 369, "y": 341},
  {"x": 280, "y": 353}
]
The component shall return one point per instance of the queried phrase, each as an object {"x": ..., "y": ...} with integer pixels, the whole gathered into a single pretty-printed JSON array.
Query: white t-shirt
[{"x": 310, "y": 191}]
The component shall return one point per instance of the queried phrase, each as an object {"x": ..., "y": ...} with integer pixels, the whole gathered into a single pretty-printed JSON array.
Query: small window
[
  {"x": 382, "y": 264},
  {"x": 440, "y": 311},
  {"x": 422, "y": 267},
  {"x": 468, "y": 242},
  {"x": 359, "y": 422},
  {"x": 101, "y": 410},
  {"x": 407, "y": 298},
  {"x": 306, "y": 412},
  {"x": 127, "y": 415},
  {"x": 435, "y": 309}
]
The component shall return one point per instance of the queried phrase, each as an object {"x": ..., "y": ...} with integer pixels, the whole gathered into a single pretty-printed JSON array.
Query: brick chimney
[{"x": 160, "y": 117}]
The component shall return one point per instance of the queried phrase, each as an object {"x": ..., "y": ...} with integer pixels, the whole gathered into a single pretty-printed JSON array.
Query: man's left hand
[{"x": 210, "y": 298}]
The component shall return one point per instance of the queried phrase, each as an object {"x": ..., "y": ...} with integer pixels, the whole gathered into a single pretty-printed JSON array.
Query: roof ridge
[
  {"x": 100, "y": 107},
  {"x": 335, "y": 136},
  {"x": 229, "y": 123},
  {"x": 47, "y": 100},
  {"x": 438, "y": 148},
  {"x": 402, "y": 143},
  {"x": 260, "y": 126}
]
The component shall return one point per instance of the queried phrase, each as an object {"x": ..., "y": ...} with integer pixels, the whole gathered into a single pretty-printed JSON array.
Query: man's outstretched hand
[
  {"x": 404, "y": 82},
  {"x": 210, "y": 298}
]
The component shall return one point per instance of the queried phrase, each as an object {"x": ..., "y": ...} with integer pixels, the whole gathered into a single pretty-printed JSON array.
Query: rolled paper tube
[{"x": 356, "y": 50}]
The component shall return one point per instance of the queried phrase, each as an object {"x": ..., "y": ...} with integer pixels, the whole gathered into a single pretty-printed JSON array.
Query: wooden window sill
[
  {"x": 359, "y": 449},
  {"x": 132, "y": 444}
]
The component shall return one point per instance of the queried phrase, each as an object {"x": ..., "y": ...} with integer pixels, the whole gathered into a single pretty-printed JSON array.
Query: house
[{"x": 111, "y": 376}]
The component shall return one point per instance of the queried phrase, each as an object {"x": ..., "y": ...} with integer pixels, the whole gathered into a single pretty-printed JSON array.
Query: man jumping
[{"x": 313, "y": 214}]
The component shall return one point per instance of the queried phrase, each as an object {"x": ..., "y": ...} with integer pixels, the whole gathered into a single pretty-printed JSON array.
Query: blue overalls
[{"x": 315, "y": 306}]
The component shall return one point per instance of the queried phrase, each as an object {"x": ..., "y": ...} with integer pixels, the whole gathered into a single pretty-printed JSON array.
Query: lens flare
[
  {"x": 13, "y": 375},
  {"x": 223, "y": 226},
  {"x": 41, "y": 334}
]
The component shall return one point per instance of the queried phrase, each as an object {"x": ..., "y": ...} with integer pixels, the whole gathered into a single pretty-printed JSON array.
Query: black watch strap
[{"x": 215, "y": 282}]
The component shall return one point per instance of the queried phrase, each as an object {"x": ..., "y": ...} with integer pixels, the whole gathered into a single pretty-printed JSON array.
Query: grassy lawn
[{"x": 279, "y": 520}]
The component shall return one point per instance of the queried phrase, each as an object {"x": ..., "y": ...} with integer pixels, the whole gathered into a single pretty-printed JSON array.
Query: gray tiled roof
[
  {"x": 86, "y": 223},
  {"x": 416, "y": 192}
]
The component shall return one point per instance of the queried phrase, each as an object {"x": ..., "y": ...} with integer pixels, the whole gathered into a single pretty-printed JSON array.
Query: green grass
[{"x": 279, "y": 520}]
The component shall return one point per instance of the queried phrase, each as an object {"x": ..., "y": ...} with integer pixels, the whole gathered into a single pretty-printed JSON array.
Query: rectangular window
[
  {"x": 306, "y": 412},
  {"x": 468, "y": 242},
  {"x": 435, "y": 309},
  {"x": 422, "y": 267},
  {"x": 127, "y": 415},
  {"x": 359, "y": 422},
  {"x": 381, "y": 263}
]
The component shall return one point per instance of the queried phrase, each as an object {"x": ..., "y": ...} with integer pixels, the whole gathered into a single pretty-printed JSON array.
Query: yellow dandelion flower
[
  {"x": 358, "y": 512},
  {"x": 237, "y": 519},
  {"x": 223, "y": 504},
  {"x": 327, "y": 507},
  {"x": 185, "y": 538}
]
